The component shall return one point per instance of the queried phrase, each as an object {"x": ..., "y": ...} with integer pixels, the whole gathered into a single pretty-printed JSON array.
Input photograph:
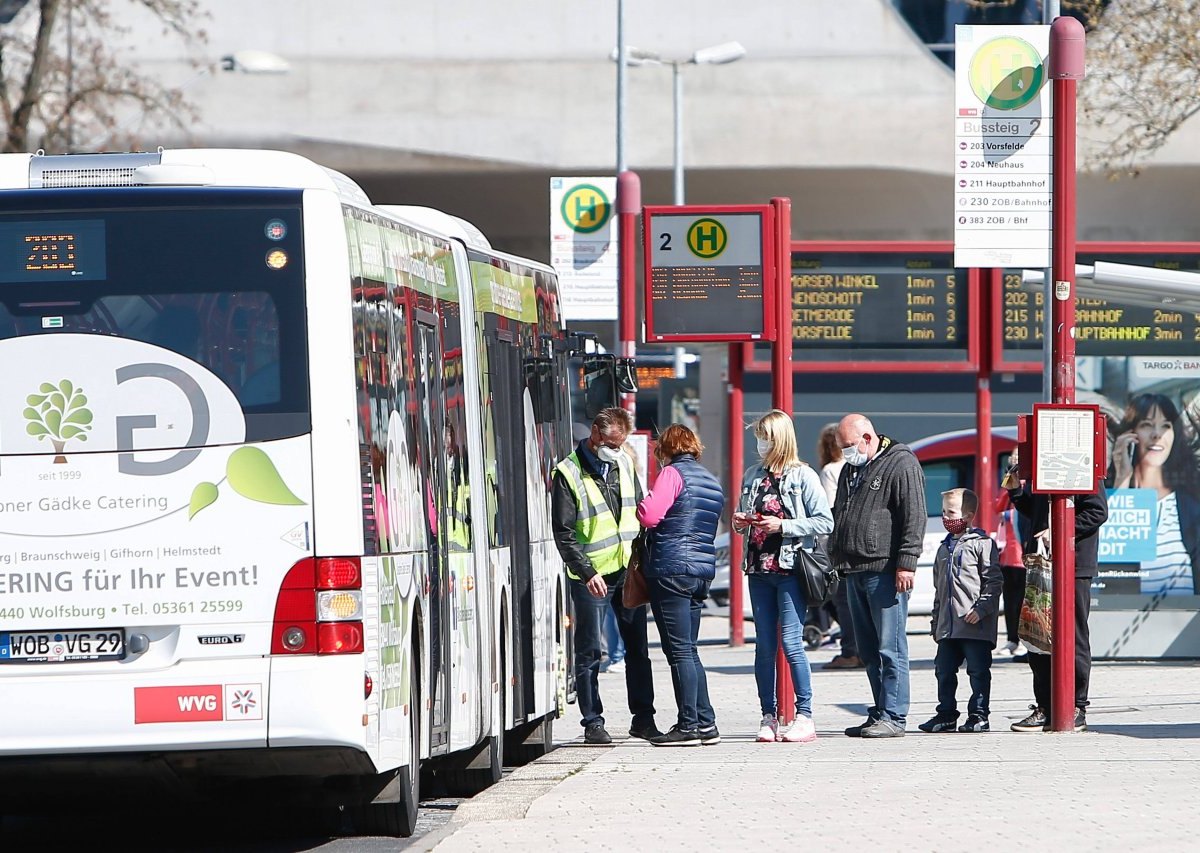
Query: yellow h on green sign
[
  {"x": 707, "y": 238},
  {"x": 585, "y": 208}
]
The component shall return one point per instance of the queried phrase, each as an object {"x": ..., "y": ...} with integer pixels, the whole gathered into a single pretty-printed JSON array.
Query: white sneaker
[
  {"x": 800, "y": 731},
  {"x": 768, "y": 729},
  {"x": 617, "y": 668},
  {"x": 1009, "y": 648}
]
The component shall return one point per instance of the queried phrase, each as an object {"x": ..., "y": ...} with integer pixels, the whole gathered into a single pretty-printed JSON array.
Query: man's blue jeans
[
  {"x": 779, "y": 607},
  {"x": 589, "y": 624},
  {"x": 613, "y": 643},
  {"x": 677, "y": 603},
  {"x": 880, "y": 617}
]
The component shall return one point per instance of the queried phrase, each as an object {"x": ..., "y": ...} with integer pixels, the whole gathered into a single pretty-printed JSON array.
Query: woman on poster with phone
[{"x": 1154, "y": 450}]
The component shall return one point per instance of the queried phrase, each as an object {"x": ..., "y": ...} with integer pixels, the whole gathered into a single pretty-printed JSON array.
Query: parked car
[{"x": 948, "y": 460}]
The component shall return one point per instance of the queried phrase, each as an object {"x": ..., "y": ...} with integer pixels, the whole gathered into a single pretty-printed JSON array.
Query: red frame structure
[
  {"x": 849, "y": 365},
  {"x": 996, "y": 280},
  {"x": 768, "y": 252}
]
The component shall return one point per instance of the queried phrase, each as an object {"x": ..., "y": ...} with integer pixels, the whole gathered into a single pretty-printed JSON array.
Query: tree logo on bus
[{"x": 59, "y": 413}]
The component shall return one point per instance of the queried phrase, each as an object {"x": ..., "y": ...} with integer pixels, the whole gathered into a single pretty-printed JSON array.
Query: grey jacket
[
  {"x": 804, "y": 502},
  {"x": 880, "y": 526},
  {"x": 966, "y": 577}
]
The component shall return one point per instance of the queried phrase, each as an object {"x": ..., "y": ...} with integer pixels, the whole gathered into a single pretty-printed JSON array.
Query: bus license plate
[{"x": 61, "y": 646}]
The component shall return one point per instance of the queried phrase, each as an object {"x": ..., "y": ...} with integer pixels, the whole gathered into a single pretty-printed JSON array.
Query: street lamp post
[{"x": 719, "y": 54}]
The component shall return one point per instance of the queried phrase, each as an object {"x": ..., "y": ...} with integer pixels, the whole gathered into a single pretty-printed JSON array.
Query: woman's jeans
[
  {"x": 779, "y": 606},
  {"x": 677, "y": 603}
]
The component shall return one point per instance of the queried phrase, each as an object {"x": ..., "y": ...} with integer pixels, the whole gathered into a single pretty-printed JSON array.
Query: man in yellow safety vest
[{"x": 595, "y": 497}]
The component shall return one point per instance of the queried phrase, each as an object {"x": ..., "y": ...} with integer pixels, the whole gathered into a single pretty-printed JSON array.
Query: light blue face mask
[{"x": 764, "y": 447}]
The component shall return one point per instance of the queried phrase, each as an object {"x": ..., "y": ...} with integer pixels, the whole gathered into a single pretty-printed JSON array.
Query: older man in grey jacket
[{"x": 878, "y": 531}]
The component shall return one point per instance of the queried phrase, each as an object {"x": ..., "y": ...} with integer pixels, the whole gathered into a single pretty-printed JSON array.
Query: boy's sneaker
[
  {"x": 801, "y": 730},
  {"x": 856, "y": 731},
  {"x": 710, "y": 736},
  {"x": 648, "y": 732},
  {"x": 1035, "y": 722},
  {"x": 768, "y": 729},
  {"x": 596, "y": 735},
  {"x": 678, "y": 737},
  {"x": 975, "y": 724},
  {"x": 939, "y": 724},
  {"x": 882, "y": 728}
]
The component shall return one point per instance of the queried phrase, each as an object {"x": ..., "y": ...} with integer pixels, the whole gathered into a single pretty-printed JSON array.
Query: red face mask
[{"x": 955, "y": 526}]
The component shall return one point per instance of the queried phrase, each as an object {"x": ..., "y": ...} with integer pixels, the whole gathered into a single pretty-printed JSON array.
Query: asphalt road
[{"x": 158, "y": 827}]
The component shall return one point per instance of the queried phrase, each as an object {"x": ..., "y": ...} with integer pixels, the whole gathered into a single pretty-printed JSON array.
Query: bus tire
[{"x": 398, "y": 819}]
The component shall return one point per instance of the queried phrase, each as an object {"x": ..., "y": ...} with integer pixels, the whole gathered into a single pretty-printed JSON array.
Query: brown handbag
[{"x": 634, "y": 592}]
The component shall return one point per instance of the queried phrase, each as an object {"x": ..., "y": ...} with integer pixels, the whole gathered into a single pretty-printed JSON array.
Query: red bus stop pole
[
  {"x": 737, "y": 432},
  {"x": 1066, "y": 68},
  {"x": 781, "y": 397},
  {"x": 629, "y": 205}
]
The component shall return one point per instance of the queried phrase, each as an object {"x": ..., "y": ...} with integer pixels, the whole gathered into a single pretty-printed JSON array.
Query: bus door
[
  {"x": 508, "y": 388},
  {"x": 440, "y": 598}
]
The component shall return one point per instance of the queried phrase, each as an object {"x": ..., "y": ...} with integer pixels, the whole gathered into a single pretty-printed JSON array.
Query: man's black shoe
[
  {"x": 708, "y": 737},
  {"x": 677, "y": 737},
  {"x": 649, "y": 732},
  {"x": 856, "y": 731},
  {"x": 595, "y": 734},
  {"x": 883, "y": 728}
]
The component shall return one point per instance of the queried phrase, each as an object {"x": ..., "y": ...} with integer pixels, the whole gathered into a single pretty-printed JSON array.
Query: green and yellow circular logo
[
  {"x": 585, "y": 208},
  {"x": 1006, "y": 73},
  {"x": 707, "y": 238}
]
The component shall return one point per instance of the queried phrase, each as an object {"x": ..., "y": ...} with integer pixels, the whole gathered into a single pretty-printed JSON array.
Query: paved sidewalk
[{"x": 1130, "y": 783}]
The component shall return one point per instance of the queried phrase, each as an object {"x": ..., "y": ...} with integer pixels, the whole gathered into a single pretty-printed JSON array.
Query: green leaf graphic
[
  {"x": 35, "y": 399},
  {"x": 77, "y": 401},
  {"x": 252, "y": 475},
  {"x": 47, "y": 388},
  {"x": 66, "y": 387},
  {"x": 203, "y": 495},
  {"x": 31, "y": 414},
  {"x": 79, "y": 416},
  {"x": 37, "y": 429},
  {"x": 53, "y": 420}
]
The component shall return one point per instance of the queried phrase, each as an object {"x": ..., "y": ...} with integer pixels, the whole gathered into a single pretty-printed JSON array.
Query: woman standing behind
[
  {"x": 682, "y": 510},
  {"x": 782, "y": 506},
  {"x": 1153, "y": 451},
  {"x": 829, "y": 457}
]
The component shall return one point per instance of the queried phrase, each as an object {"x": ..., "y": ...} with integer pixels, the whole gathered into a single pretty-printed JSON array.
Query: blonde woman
[{"x": 781, "y": 508}]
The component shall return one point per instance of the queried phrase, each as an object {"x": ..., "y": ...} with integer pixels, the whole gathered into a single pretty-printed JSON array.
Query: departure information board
[
  {"x": 705, "y": 274},
  {"x": 1104, "y": 327},
  {"x": 886, "y": 301}
]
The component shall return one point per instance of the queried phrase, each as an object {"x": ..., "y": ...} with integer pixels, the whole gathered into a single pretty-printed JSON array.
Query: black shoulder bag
[{"x": 818, "y": 578}]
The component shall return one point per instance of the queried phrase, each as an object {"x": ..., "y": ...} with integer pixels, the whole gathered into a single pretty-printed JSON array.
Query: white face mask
[
  {"x": 607, "y": 454},
  {"x": 764, "y": 446},
  {"x": 854, "y": 456}
]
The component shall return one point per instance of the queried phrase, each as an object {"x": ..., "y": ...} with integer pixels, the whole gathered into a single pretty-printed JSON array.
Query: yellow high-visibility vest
[{"x": 605, "y": 540}]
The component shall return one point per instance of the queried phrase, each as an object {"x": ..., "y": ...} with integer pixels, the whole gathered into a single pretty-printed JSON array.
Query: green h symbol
[{"x": 707, "y": 236}]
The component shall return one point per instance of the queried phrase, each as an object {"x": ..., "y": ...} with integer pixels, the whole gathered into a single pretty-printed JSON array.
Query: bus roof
[{"x": 221, "y": 167}]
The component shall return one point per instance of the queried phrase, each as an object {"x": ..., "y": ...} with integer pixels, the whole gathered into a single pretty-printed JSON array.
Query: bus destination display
[
  {"x": 843, "y": 300},
  {"x": 1104, "y": 327},
  {"x": 51, "y": 250},
  {"x": 705, "y": 277}
]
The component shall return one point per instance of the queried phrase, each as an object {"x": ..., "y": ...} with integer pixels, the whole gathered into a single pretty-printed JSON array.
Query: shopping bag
[
  {"x": 634, "y": 592},
  {"x": 1034, "y": 627}
]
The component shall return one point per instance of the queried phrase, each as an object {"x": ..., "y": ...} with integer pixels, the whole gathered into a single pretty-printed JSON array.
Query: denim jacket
[{"x": 803, "y": 499}]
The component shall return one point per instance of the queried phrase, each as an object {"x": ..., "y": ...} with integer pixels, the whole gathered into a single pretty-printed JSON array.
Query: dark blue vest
[{"x": 682, "y": 543}]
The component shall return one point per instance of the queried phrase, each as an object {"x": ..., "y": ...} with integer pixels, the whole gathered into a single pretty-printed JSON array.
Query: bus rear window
[{"x": 223, "y": 286}]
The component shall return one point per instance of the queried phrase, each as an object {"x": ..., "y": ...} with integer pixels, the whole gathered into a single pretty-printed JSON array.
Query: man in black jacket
[
  {"x": 878, "y": 533},
  {"x": 594, "y": 494},
  {"x": 1091, "y": 511}
]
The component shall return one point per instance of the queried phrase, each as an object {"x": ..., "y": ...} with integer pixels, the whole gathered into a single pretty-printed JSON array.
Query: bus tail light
[
  {"x": 319, "y": 608},
  {"x": 339, "y": 638}
]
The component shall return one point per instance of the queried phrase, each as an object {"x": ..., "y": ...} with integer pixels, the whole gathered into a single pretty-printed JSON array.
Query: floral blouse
[{"x": 762, "y": 548}]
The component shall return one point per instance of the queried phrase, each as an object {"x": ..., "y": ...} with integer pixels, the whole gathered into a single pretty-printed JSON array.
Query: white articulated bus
[{"x": 274, "y": 486}]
